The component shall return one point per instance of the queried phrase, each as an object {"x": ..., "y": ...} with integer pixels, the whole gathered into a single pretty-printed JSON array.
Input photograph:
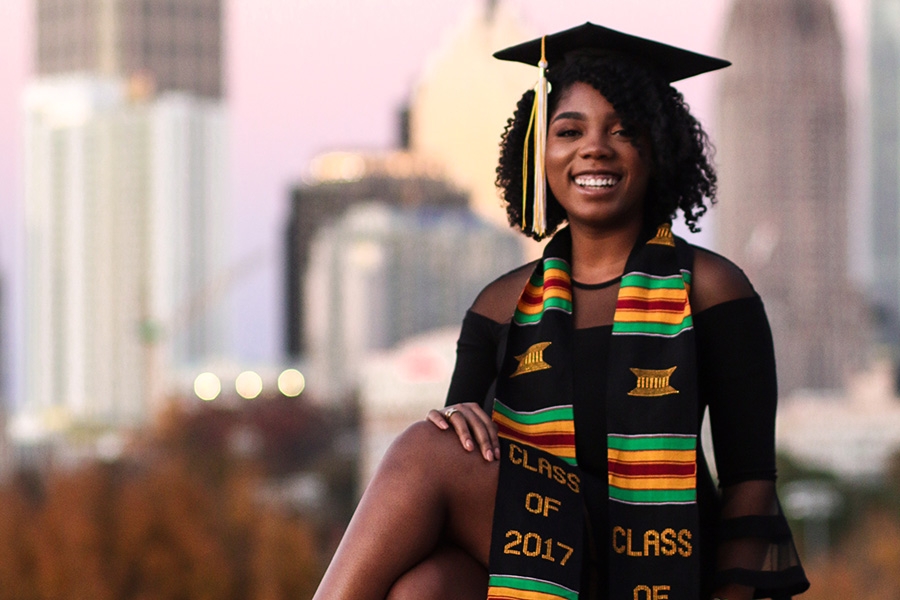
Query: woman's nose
[{"x": 596, "y": 144}]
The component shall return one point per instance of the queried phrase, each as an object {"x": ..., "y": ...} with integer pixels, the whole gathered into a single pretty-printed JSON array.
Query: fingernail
[
  {"x": 468, "y": 445},
  {"x": 442, "y": 425},
  {"x": 488, "y": 455}
]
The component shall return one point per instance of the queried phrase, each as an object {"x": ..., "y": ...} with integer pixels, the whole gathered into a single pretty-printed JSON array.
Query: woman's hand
[{"x": 470, "y": 421}]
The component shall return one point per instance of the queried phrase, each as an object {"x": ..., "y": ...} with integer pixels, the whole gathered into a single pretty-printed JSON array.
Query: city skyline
[{"x": 287, "y": 102}]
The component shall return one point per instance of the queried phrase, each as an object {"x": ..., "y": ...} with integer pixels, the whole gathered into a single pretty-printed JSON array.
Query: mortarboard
[{"x": 671, "y": 63}]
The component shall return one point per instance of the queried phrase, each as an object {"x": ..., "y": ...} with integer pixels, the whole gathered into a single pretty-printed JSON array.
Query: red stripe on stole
[
  {"x": 660, "y": 305},
  {"x": 652, "y": 469},
  {"x": 534, "y": 301},
  {"x": 538, "y": 439},
  {"x": 556, "y": 282},
  {"x": 531, "y": 299}
]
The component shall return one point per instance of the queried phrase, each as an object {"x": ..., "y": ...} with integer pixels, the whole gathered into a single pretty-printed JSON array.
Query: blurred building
[
  {"x": 382, "y": 274},
  {"x": 125, "y": 208},
  {"x": 885, "y": 168},
  {"x": 337, "y": 181},
  {"x": 397, "y": 387},
  {"x": 123, "y": 229},
  {"x": 171, "y": 44},
  {"x": 782, "y": 155},
  {"x": 853, "y": 435},
  {"x": 460, "y": 105}
]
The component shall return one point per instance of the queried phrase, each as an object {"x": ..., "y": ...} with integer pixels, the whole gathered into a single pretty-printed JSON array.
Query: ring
[{"x": 449, "y": 412}]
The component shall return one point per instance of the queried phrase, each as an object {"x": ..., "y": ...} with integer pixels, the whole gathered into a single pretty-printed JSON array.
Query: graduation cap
[{"x": 671, "y": 63}]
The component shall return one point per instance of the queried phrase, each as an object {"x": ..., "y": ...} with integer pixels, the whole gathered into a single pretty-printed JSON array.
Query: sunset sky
[{"x": 304, "y": 76}]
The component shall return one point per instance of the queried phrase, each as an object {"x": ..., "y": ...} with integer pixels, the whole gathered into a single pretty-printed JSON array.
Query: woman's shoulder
[
  {"x": 497, "y": 301},
  {"x": 716, "y": 280}
]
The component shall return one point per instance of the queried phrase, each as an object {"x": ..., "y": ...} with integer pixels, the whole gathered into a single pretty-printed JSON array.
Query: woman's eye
[
  {"x": 567, "y": 132},
  {"x": 622, "y": 132}
]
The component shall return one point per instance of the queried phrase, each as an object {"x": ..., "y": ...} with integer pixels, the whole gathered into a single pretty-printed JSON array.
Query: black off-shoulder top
[{"x": 745, "y": 537}]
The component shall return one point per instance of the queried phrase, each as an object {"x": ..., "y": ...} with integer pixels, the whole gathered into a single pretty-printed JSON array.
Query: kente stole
[{"x": 537, "y": 548}]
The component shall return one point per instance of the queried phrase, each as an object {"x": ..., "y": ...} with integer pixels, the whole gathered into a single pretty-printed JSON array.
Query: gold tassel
[{"x": 538, "y": 123}]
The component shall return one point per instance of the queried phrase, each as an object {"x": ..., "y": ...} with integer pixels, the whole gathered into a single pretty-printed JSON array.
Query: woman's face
[{"x": 594, "y": 166}]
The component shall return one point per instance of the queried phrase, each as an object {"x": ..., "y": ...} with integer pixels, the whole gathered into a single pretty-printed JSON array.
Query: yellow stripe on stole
[
  {"x": 638, "y": 293},
  {"x": 655, "y": 456},
  {"x": 562, "y": 451},
  {"x": 560, "y": 427},
  {"x": 555, "y": 274},
  {"x": 687, "y": 482},
  {"x": 533, "y": 309},
  {"x": 641, "y": 316},
  {"x": 503, "y": 592}
]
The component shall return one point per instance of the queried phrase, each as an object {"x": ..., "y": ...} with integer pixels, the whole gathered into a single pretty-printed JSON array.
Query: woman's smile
[
  {"x": 597, "y": 180},
  {"x": 595, "y": 166}
]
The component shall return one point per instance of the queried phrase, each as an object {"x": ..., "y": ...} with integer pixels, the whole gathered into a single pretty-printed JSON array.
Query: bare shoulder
[
  {"x": 717, "y": 280},
  {"x": 497, "y": 301}
]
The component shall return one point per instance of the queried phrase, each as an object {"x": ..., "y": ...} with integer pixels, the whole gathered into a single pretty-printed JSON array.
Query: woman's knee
[
  {"x": 424, "y": 450},
  {"x": 422, "y": 446}
]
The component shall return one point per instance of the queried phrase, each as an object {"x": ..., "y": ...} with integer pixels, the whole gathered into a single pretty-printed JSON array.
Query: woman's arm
[
  {"x": 736, "y": 366},
  {"x": 481, "y": 340}
]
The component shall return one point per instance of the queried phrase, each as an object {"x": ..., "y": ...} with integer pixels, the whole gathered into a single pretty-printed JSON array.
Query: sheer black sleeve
[
  {"x": 736, "y": 363},
  {"x": 476, "y": 360}
]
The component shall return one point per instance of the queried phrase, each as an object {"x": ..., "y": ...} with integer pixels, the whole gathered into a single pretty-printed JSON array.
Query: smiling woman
[
  {"x": 595, "y": 166},
  {"x": 582, "y": 379}
]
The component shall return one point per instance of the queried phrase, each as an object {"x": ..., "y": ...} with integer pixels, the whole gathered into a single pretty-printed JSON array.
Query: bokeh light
[
  {"x": 248, "y": 385},
  {"x": 207, "y": 386},
  {"x": 291, "y": 383}
]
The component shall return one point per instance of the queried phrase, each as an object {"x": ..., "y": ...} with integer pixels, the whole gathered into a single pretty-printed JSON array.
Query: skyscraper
[
  {"x": 782, "y": 153},
  {"x": 125, "y": 208},
  {"x": 460, "y": 105},
  {"x": 885, "y": 155},
  {"x": 172, "y": 44},
  {"x": 123, "y": 227}
]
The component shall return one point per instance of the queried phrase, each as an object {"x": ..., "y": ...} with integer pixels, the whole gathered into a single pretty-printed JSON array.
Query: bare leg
[
  {"x": 427, "y": 488},
  {"x": 449, "y": 573}
]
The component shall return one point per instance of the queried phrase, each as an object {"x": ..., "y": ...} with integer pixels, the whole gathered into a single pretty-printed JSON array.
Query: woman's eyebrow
[{"x": 570, "y": 115}]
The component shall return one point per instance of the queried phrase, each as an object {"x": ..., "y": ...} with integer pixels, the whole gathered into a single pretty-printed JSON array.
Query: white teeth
[{"x": 596, "y": 181}]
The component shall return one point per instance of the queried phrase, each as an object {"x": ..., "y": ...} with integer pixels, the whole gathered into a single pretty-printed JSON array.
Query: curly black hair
[{"x": 683, "y": 176}]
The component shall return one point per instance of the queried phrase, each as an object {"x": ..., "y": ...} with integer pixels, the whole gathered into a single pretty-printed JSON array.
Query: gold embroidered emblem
[
  {"x": 653, "y": 382},
  {"x": 664, "y": 236},
  {"x": 532, "y": 360}
]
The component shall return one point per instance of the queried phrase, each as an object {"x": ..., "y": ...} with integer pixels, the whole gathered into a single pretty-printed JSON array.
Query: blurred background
[{"x": 237, "y": 239}]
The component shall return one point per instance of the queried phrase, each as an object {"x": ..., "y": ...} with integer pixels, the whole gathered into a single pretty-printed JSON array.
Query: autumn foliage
[
  {"x": 862, "y": 561},
  {"x": 182, "y": 515}
]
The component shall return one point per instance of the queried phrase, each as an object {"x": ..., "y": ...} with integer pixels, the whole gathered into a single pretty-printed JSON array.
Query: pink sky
[{"x": 309, "y": 75}]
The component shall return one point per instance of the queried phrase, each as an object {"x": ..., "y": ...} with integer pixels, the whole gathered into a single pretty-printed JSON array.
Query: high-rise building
[
  {"x": 123, "y": 232},
  {"x": 782, "y": 155},
  {"x": 460, "y": 105},
  {"x": 884, "y": 220},
  {"x": 338, "y": 181},
  {"x": 382, "y": 274},
  {"x": 169, "y": 44},
  {"x": 125, "y": 208}
]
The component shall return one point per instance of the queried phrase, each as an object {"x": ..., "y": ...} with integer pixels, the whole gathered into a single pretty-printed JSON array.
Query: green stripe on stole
[{"x": 558, "y": 413}]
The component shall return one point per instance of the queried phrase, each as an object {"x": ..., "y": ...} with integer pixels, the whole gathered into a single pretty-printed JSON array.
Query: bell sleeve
[{"x": 736, "y": 365}]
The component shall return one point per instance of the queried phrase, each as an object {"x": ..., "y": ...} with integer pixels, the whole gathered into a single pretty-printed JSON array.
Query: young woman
[{"x": 582, "y": 378}]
